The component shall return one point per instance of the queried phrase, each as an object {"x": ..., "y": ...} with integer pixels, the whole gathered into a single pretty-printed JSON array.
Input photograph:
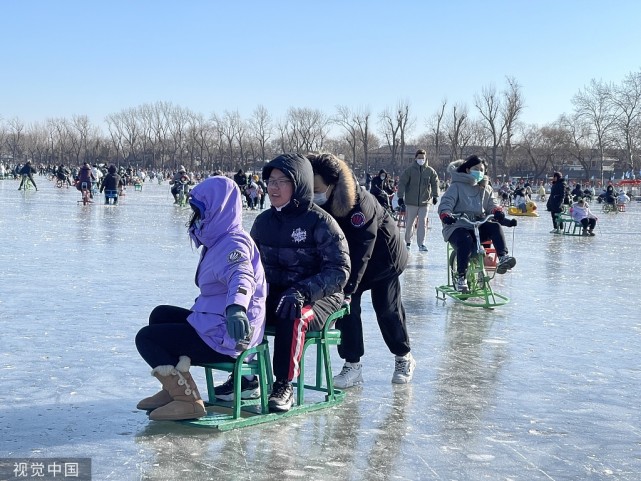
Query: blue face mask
[{"x": 477, "y": 174}]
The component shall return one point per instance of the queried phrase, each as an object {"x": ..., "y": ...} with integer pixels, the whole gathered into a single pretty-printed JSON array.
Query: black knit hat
[{"x": 470, "y": 162}]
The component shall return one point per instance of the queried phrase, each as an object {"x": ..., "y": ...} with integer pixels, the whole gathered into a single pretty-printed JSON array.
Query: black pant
[
  {"x": 464, "y": 242},
  {"x": 390, "y": 315},
  {"x": 555, "y": 221},
  {"x": 290, "y": 334},
  {"x": 588, "y": 223},
  {"x": 169, "y": 336},
  {"x": 24, "y": 178}
]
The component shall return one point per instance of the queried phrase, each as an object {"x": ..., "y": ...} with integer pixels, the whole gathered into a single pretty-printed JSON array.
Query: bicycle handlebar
[{"x": 472, "y": 222}]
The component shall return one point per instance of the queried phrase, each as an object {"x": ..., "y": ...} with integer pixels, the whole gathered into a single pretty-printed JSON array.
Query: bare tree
[
  {"x": 3, "y": 136},
  {"x": 116, "y": 134},
  {"x": 541, "y": 146},
  {"x": 392, "y": 126},
  {"x": 435, "y": 126},
  {"x": 347, "y": 120},
  {"x": 61, "y": 139},
  {"x": 36, "y": 143},
  {"x": 458, "y": 134},
  {"x": 593, "y": 105},
  {"x": 178, "y": 124},
  {"x": 261, "y": 128},
  {"x": 15, "y": 138},
  {"x": 627, "y": 99},
  {"x": 283, "y": 136},
  {"x": 196, "y": 135},
  {"x": 361, "y": 118},
  {"x": 511, "y": 108},
  {"x": 488, "y": 105},
  {"x": 576, "y": 134},
  {"x": 156, "y": 120},
  {"x": 406, "y": 123},
  {"x": 228, "y": 126},
  {"x": 307, "y": 129}
]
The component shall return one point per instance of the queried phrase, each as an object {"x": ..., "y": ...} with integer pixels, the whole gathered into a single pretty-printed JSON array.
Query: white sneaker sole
[
  {"x": 340, "y": 385},
  {"x": 406, "y": 378}
]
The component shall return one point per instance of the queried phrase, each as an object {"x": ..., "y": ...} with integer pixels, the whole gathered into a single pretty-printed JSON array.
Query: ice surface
[{"x": 546, "y": 387}]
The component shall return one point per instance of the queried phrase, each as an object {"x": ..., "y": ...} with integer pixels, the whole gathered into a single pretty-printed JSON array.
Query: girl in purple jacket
[{"x": 227, "y": 317}]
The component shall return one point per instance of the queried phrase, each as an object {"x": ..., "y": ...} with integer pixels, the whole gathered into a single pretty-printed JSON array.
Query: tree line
[{"x": 604, "y": 124}]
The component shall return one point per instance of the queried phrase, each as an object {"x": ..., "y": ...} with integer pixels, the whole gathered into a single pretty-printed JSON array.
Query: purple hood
[{"x": 220, "y": 205}]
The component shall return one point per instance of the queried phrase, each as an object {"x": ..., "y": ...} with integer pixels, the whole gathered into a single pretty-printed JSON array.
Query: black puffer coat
[
  {"x": 301, "y": 246},
  {"x": 557, "y": 194},
  {"x": 376, "y": 248}
]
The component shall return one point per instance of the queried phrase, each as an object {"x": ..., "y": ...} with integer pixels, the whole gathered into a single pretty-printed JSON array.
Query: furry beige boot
[
  {"x": 159, "y": 399},
  {"x": 186, "y": 401}
]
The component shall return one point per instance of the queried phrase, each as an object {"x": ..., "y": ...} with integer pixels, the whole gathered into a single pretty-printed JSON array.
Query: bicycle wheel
[
  {"x": 475, "y": 275},
  {"x": 452, "y": 266}
]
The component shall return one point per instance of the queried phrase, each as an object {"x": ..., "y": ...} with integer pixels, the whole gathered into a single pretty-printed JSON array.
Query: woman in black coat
[{"x": 555, "y": 201}]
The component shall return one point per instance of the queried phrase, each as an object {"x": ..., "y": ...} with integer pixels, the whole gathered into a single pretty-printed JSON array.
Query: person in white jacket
[{"x": 580, "y": 212}]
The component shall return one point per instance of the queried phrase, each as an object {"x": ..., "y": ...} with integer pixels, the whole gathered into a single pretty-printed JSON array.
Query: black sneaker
[
  {"x": 248, "y": 389},
  {"x": 282, "y": 397},
  {"x": 505, "y": 264}
]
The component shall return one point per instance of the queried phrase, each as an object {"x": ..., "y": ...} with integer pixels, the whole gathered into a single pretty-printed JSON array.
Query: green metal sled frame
[
  {"x": 480, "y": 292},
  {"x": 227, "y": 415}
]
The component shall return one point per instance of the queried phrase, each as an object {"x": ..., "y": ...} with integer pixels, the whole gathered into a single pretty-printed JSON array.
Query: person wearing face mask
[
  {"x": 378, "y": 258},
  {"x": 227, "y": 317},
  {"x": 466, "y": 196},
  {"x": 417, "y": 187},
  {"x": 382, "y": 189},
  {"x": 306, "y": 260}
]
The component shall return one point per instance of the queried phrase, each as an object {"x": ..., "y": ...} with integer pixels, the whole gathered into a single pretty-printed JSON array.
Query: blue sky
[{"x": 61, "y": 58}]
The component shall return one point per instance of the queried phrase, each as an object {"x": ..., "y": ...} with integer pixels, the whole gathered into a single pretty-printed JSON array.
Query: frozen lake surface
[{"x": 544, "y": 388}]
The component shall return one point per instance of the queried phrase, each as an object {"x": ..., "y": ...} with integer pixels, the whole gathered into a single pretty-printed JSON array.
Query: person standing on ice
[
  {"x": 227, "y": 317},
  {"x": 417, "y": 186},
  {"x": 378, "y": 258},
  {"x": 555, "y": 201}
]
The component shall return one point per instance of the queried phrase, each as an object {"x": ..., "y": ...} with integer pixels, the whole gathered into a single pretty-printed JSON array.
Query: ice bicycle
[
  {"x": 86, "y": 193},
  {"x": 478, "y": 276}
]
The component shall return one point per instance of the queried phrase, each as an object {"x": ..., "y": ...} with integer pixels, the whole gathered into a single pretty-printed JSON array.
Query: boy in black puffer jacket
[{"x": 306, "y": 261}]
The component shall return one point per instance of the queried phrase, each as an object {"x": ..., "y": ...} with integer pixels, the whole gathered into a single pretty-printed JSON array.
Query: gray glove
[{"x": 237, "y": 322}]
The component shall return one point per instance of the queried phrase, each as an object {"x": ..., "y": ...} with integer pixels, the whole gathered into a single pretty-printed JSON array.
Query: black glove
[
  {"x": 290, "y": 305},
  {"x": 434, "y": 200},
  {"x": 507, "y": 222},
  {"x": 499, "y": 215},
  {"x": 237, "y": 322},
  {"x": 447, "y": 219},
  {"x": 401, "y": 202}
]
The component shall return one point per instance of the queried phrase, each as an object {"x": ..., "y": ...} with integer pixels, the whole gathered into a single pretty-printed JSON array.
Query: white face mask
[
  {"x": 420, "y": 161},
  {"x": 383, "y": 176},
  {"x": 321, "y": 197}
]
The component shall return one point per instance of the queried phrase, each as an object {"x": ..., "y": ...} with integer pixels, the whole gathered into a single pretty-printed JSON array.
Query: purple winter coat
[{"x": 229, "y": 270}]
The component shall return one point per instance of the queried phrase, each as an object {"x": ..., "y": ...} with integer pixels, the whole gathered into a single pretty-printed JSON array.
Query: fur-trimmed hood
[{"x": 344, "y": 195}]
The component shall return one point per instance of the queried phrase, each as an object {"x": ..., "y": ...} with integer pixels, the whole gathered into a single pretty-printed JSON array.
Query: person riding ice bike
[
  {"x": 27, "y": 172},
  {"x": 469, "y": 194},
  {"x": 179, "y": 185},
  {"x": 85, "y": 179}
]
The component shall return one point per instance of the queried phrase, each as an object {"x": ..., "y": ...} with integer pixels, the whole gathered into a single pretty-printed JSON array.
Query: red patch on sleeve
[{"x": 358, "y": 219}]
